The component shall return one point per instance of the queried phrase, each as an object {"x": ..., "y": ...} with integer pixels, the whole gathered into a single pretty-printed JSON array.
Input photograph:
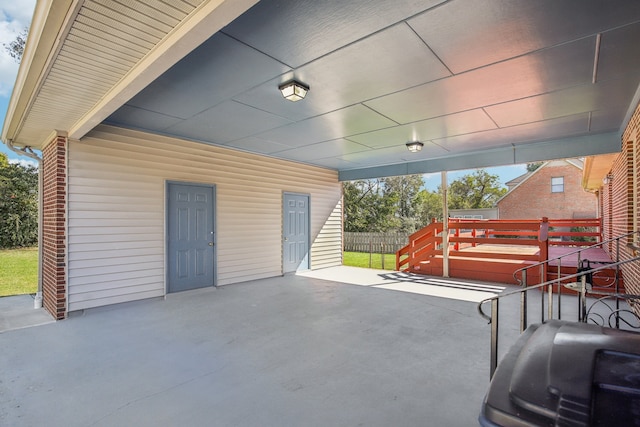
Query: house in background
[
  {"x": 517, "y": 180},
  {"x": 482, "y": 213},
  {"x": 172, "y": 161},
  {"x": 554, "y": 190}
]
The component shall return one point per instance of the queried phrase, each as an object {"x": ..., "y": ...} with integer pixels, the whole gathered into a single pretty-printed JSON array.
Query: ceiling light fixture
[
  {"x": 414, "y": 146},
  {"x": 293, "y": 90}
]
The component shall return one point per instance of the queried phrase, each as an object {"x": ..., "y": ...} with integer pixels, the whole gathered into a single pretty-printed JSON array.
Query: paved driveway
[{"x": 286, "y": 351}]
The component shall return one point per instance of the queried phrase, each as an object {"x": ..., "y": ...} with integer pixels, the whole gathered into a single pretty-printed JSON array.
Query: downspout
[{"x": 28, "y": 152}]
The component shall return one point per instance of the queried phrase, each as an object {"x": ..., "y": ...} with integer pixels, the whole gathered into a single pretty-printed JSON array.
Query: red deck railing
[
  {"x": 496, "y": 239},
  {"x": 423, "y": 244}
]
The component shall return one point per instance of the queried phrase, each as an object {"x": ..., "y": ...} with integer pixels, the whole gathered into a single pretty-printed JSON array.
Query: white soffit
[
  {"x": 596, "y": 169},
  {"x": 112, "y": 50}
]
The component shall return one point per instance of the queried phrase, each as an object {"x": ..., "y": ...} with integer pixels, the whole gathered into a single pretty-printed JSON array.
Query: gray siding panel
[{"x": 116, "y": 220}]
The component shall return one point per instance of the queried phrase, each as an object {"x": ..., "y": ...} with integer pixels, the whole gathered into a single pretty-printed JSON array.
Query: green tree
[
  {"x": 475, "y": 191},
  {"x": 533, "y": 166},
  {"x": 15, "y": 49},
  {"x": 402, "y": 192},
  {"x": 429, "y": 207},
  {"x": 365, "y": 207},
  {"x": 18, "y": 204},
  {"x": 384, "y": 204}
]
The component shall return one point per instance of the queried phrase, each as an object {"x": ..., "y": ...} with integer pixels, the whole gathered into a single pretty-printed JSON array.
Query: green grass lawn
[
  {"x": 18, "y": 271},
  {"x": 19, "y": 268},
  {"x": 361, "y": 259}
]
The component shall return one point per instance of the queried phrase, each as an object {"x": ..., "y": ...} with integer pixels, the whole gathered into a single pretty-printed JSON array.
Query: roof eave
[
  {"x": 595, "y": 170},
  {"x": 49, "y": 19},
  {"x": 51, "y": 23},
  {"x": 208, "y": 19}
]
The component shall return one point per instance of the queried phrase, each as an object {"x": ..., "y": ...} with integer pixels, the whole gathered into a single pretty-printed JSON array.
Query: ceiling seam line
[
  {"x": 490, "y": 118},
  {"x": 257, "y": 50},
  {"x": 399, "y": 22},
  {"x": 596, "y": 59},
  {"x": 479, "y": 68},
  {"x": 379, "y": 113},
  {"x": 430, "y": 49}
]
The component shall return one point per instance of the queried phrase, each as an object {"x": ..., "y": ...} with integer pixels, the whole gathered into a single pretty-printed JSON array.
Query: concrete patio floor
[
  {"x": 17, "y": 312},
  {"x": 294, "y": 350}
]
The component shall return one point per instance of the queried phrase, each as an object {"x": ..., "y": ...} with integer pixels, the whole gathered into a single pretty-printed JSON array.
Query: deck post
[
  {"x": 543, "y": 241},
  {"x": 445, "y": 226}
]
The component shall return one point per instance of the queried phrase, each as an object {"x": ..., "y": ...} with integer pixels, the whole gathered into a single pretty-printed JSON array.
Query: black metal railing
[{"x": 607, "y": 308}]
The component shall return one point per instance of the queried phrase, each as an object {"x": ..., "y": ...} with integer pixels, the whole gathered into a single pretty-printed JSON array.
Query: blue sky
[
  {"x": 505, "y": 174},
  {"x": 16, "y": 15}
]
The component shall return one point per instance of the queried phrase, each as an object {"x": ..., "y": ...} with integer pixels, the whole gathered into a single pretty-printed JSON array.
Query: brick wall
[
  {"x": 620, "y": 207},
  {"x": 533, "y": 198},
  {"x": 54, "y": 292}
]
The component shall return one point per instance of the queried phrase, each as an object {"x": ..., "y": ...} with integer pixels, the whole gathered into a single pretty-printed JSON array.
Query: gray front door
[
  {"x": 295, "y": 250},
  {"x": 190, "y": 250}
]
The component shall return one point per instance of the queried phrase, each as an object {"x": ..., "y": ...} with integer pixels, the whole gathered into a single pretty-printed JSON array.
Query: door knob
[{"x": 210, "y": 243}]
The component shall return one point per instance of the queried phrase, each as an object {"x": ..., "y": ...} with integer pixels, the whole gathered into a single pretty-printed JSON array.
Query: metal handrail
[
  {"x": 558, "y": 258},
  {"x": 581, "y": 275},
  {"x": 493, "y": 319}
]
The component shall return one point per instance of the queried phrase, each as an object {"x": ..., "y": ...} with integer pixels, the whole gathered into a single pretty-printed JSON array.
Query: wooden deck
[
  {"x": 493, "y": 250},
  {"x": 506, "y": 260},
  {"x": 501, "y": 269},
  {"x": 502, "y": 249},
  {"x": 592, "y": 254}
]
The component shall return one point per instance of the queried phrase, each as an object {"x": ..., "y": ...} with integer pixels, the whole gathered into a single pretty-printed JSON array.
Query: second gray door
[{"x": 295, "y": 250}]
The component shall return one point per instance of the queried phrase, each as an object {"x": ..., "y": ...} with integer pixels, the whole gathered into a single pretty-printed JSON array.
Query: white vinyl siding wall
[{"x": 116, "y": 212}]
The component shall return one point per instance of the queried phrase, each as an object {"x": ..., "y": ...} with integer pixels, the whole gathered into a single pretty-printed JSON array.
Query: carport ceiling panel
[
  {"x": 214, "y": 72},
  {"x": 469, "y": 35},
  {"x": 337, "y": 124},
  {"x": 334, "y": 148},
  {"x": 533, "y": 74},
  {"x": 605, "y": 95},
  {"x": 607, "y": 119},
  {"x": 298, "y": 31},
  {"x": 549, "y": 129},
  {"x": 619, "y": 52},
  {"x": 335, "y": 163},
  {"x": 385, "y": 156},
  {"x": 258, "y": 145},
  {"x": 226, "y": 122},
  {"x": 387, "y": 62},
  {"x": 578, "y": 146},
  {"x": 439, "y": 127},
  {"x": 139, "y": 118}
]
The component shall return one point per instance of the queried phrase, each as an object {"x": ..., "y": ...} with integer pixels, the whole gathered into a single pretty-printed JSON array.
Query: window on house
[{"x": 557, "y": 184}]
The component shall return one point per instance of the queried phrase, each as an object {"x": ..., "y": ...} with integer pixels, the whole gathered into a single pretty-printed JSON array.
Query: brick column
[{"x": 54, "y": 239}]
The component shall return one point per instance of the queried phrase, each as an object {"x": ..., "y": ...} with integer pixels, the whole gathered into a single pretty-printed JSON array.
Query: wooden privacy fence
[{"x": 378, "y": 243}]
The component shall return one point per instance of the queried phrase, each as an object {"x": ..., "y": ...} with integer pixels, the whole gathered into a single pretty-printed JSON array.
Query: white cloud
[
  {"x": 15, "y": 15},
  {"x": 18, "y": 10},
  {"x": 24, "y": 162}
]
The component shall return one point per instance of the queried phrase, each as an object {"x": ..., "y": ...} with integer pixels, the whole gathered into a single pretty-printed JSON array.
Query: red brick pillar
[{"x": 54, "y": 238}]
